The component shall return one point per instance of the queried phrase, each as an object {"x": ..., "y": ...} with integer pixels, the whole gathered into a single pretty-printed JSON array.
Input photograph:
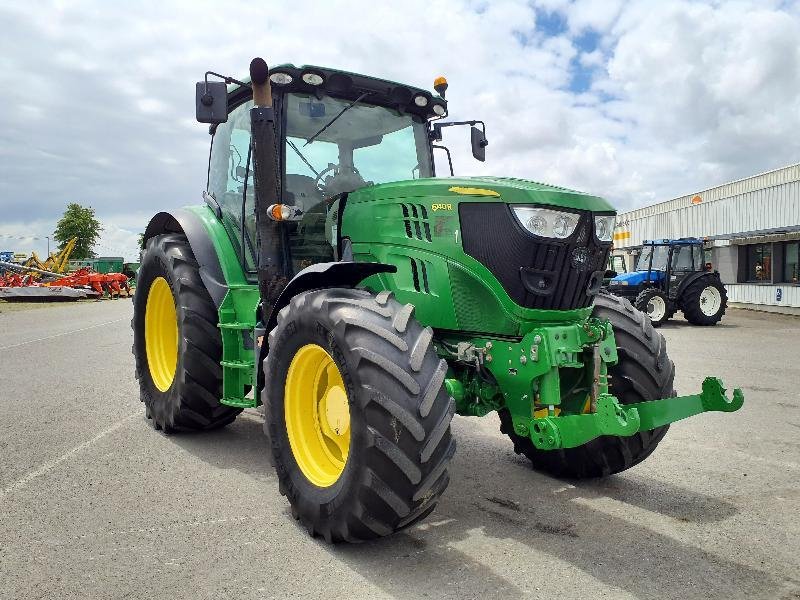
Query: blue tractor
[{"x": 672, "y": 275}]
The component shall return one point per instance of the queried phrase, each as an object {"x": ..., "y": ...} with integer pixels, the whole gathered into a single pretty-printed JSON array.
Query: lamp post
[{"x": 48, "y": 244}]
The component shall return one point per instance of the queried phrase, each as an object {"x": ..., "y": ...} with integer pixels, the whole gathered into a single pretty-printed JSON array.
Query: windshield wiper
[
  {"x": 303, "y": 158},
  {"x": 333, "y": 120}
]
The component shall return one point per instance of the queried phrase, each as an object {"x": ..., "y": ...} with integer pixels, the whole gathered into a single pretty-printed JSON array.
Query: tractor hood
[
  {"x": 637, "y": 277},
  {"x": 504, "y": 189}
]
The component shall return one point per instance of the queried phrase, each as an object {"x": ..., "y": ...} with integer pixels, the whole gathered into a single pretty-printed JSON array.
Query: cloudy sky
[{"x": 636, "y": 101}]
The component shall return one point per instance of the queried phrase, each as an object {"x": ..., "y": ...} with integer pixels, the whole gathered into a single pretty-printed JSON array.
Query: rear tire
[
  {"x": 704, "y": 301},
  {"x": 644, "y": 372},
  {"x": 654, "y": 303},
  {"x": 189, "y": 400},
  {"x": 399, "y": 445}
]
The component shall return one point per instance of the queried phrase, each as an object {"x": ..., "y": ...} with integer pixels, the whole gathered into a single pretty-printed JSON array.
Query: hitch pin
[{"x": 595, "y": 390}]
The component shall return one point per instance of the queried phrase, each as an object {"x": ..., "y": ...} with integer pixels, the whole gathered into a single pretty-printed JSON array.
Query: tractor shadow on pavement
[
  {"x": 241, "y": 446},
  {"x": 503, "y": 530},
  {"x": 656, "y": 496}
]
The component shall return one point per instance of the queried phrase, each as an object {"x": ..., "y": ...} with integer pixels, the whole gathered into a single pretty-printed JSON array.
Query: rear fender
[{"x": 688, "y": 280}]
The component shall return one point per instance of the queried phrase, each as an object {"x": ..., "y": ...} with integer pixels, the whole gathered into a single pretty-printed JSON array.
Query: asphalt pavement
[{"x": 96, "y": 504}]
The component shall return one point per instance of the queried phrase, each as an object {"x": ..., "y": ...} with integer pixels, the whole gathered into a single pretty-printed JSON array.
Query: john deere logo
[
  {"x": 580, "y": 258},
  {"x": 435, "y": 207}
]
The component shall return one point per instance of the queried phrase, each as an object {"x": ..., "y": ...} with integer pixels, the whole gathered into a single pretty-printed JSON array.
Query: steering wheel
[{"x": 337, "y": 171}]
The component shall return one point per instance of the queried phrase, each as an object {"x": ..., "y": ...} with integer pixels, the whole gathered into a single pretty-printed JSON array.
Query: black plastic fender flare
[
  {"x": 316, "y": 277},
  {"x": 691, "y": 279},
  {"x": 186, "y": 222}
]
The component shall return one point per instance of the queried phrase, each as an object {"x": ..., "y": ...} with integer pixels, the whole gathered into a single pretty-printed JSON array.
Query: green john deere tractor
[{"x": 332, "y": 277}]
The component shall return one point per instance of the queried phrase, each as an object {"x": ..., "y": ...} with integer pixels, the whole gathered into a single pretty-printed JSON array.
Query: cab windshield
[
  {"x": 660, "y": 256},
  {"x": 366, "y": 145}
]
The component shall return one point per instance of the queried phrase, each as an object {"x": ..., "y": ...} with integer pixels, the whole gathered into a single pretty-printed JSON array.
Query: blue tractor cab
[{"x": 672, "y": 275}]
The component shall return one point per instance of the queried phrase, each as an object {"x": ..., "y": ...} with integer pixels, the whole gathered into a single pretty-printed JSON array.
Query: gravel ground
[{"x": 95, "y": 504}]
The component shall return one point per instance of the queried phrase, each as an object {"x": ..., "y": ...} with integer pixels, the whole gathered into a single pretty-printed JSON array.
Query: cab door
[{"x": 230, "y": 183}]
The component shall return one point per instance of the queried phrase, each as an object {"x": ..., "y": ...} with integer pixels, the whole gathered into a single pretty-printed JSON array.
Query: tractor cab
[
  {"x": 335, "y": 132},
  {"x": 658, "y": 258},
  {"x": 664, "y": 270}
]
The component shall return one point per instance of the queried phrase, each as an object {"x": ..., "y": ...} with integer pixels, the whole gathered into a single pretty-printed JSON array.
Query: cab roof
[{"x": 350, "y": 86}]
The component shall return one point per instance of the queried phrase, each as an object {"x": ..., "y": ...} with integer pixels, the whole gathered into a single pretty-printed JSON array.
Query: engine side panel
[{"x": 454, "y": 283}]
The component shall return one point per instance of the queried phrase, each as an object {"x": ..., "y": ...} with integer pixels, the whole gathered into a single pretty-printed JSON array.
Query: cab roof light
[
  {"x": 440, "y": 85},
  {"x": 281, "y": 78},
  {"x": 312, "y": 78}
]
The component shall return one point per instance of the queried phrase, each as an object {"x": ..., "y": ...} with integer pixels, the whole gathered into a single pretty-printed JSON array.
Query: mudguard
[
  {"x": 188, "y": 223},
  {"x": 691, "y": 278},
  {"x": 316, "y": 277}
]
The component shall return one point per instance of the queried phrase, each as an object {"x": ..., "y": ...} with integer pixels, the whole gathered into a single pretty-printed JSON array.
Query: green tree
[
  {"x": 141, "y": 241},
  {"x": 78, "y": 222}
]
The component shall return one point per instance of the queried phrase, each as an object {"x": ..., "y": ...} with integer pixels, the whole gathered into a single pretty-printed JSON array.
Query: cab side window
[
  {"x": 699, "y": 264},
  {"x": 682, "y": 258},
  {"x": 228, "y": 178}
]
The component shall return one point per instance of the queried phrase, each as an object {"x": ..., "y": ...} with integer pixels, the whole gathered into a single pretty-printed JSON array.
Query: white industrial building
[{"x": 752, "y": 228}]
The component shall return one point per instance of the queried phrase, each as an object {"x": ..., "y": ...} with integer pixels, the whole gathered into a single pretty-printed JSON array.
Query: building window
[
  {"x": 791, "y": 264},
  {"x": 759, "y": 263}
]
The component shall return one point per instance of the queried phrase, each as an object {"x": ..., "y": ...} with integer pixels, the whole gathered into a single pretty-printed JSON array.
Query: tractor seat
[{"x": 304, "y": 192}]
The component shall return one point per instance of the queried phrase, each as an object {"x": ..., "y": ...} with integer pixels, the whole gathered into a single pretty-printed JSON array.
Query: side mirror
[
  {"x": 211, "y": 99},
  {"x": 479, "y": 143}
]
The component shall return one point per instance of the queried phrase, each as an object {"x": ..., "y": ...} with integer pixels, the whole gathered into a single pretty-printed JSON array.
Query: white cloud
[
  {"x": 591, "y": 59},
  {"x": 27, "y": 237},
  {"x": 598, "y": 15},
  {"x": 117, "y": 241},
  {"x": 684, "y": 95}
]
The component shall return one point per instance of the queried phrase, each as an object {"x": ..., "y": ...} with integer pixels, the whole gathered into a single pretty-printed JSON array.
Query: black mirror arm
[
  {"x": 436, "y": 132},
  {"x": 225, "y": 78}
]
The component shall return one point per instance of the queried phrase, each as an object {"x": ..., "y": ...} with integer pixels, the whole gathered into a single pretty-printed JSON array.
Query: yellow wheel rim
[
  {"x": 317, "y": 415},
  {"x": 161, "y": 334}
]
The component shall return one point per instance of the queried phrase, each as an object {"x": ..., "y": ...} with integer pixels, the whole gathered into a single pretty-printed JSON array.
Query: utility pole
[{"x": 48, "y": 245}]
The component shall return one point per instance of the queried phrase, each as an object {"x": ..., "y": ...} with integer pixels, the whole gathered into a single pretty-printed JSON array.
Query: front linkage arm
[
  {"x": 528, "y": 377},
  {"x": 612, "y": 418}
]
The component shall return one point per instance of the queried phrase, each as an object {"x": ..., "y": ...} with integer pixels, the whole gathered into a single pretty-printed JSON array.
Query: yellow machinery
[{"x": 56, "y": 262}]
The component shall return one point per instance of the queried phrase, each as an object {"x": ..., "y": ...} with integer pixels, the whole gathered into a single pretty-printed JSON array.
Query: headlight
[
  {"x": 545, "y": 222},
  {"x": 618, "y": 282},
  {"x": 604, "y": 227}
]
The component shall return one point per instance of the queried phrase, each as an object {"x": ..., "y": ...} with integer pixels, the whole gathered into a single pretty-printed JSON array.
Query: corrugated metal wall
[
  {"x": 759, "y": 203},
  {"x": 765, "y": 295}
]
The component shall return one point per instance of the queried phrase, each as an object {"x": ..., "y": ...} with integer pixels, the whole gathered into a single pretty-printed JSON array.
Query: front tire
[
  {"x": 655, "y": 304},
  {"x": 383, "y": 466},
  {"x": 704, "y": 301},
  {"x": 644, "y": 372},
  {"x": 176, "y": 343}
]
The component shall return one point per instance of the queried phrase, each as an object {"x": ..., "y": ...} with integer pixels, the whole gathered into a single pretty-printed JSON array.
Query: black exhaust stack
[{"x": 273, "y": 271}]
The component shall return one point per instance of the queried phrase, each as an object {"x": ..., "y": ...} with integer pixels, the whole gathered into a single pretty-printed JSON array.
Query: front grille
[{"x": 535, "y": 272}]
